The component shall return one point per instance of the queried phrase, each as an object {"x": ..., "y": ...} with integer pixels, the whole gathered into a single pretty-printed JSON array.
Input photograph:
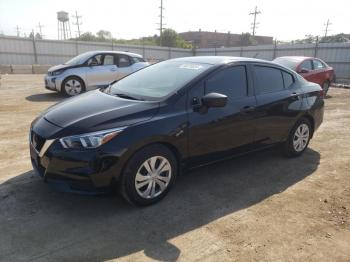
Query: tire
[
  {"x": 72, "y": 86},
  {"x": 137, "y": 182},
  {"x": 298, "y": 141},
  {"x": 325, "y": 87}
]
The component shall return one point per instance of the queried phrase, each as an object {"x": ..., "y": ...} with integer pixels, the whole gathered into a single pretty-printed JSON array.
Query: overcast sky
[{"x": 284, "y": 20}]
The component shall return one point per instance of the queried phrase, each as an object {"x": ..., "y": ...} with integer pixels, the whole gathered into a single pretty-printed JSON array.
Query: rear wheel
[
  {"x": 148, "y": 175},
  {"x": 298, "y": 139},
  {"x": 73, "y": 86}
]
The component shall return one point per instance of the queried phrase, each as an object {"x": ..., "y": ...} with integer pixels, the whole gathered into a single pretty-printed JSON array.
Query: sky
[{"x": 284, "y": 20}]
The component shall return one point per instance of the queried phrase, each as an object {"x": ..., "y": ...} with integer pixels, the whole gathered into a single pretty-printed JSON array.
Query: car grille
[{"x": 37, "y": 141}]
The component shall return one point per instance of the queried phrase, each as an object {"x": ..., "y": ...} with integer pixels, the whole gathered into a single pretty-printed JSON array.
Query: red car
[{"x": 312, "y": 69}]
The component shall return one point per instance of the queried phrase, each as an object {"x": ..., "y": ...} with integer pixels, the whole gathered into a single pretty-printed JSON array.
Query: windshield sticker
[{"x": 191, "y": 66}]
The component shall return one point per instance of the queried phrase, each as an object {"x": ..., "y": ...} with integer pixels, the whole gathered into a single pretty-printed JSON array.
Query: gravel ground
[{"x": 259, "y": 207}]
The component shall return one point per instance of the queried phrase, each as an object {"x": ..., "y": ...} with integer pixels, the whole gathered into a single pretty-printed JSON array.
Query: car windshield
[
  {"x": 288, "y": 62},
  {"x": 158, "y": 80},
  {"x": 78, "y": 60}
]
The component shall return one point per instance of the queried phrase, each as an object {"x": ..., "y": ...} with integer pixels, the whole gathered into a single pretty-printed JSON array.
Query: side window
[
  {"x": 137, "y": 59},
  {"x": 230, "y": 81},
  {"x": 287, "y": 79},
  {"x": 95, "y": 60},
  {"x": 267, "y": 79},
  {"x": 317, "y": 64},
  {"x": 108, "y": 60},
  {"x": 306, "y": 65},
  {"x": 123, "y": 61}
]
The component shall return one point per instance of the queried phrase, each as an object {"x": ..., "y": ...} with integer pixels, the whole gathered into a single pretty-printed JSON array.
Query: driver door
[
  {"x": 217, "y": 131},
  {"x": 101, "y": 70}
]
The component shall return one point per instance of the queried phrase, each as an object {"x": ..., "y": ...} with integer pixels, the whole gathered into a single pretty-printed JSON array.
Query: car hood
[
  {"x": 60, "y": 67},
  {"x": 95, "y": 110}
]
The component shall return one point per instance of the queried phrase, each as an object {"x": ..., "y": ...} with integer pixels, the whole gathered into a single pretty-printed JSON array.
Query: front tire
[
  {"x": 148, "y": 175},
  {"x": 72, "y": 86},
  {"x": 298, "y": 139}
]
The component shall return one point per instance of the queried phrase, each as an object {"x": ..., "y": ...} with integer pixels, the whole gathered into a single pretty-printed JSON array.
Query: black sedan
[{"x": 140, "y": 132}]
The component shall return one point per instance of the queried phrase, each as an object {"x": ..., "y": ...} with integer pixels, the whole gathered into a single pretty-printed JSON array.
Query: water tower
[{"x": 63, "y": 25}]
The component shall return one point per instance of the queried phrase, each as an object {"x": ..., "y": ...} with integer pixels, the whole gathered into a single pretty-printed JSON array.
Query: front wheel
[
  {"x": 73, "y": 86},
  {"x": 148, "y": 175},
  {"x": 298, "y": 138}
]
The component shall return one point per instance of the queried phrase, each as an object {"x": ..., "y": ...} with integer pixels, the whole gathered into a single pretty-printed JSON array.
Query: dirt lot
[{"x": 260, "y": 207}]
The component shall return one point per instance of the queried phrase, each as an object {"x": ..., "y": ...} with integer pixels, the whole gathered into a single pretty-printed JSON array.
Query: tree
[
  {"x": 88, "y": 36},
  {"x": 247, "y": 39},
  {"x": 104, "y": 34},
  {"x": 172, "y": 39}
]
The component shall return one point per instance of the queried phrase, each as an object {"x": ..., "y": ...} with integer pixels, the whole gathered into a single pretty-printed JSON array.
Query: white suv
[{"x": 92, "y": 70}]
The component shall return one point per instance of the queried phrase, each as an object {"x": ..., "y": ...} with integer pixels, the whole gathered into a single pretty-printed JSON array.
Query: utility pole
[
  {"x": 40, "y": 26},
  {"x": 18, "y": 31},
  {"x": 77, "y": 23},
  {"x": 161, "y": 23},
  {"x": 254, "y": 24},
  {"x": 327, "y": 28}
]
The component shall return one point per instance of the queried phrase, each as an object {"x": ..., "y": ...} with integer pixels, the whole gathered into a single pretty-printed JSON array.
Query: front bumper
[
  {"x": 84, "y": 172},
  {"x": 53, "y": 82}
]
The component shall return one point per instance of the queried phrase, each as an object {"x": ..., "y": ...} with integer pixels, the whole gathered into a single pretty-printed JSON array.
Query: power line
[
  {"x": 327, "y": 28},
  {"x": 77, "y": 23},
  {"x": 254, "y": 24}
]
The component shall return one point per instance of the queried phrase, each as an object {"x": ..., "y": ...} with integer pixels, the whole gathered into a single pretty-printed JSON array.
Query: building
[{"x": 204, "y": 39}]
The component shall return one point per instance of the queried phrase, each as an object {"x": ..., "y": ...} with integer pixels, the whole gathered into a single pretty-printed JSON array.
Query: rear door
[
  {"x": 279, "y": 100},
  {"x": 103, "y": 73},
  {"x": 219, "y": 130},
  {"x": 320, "y": 72}
]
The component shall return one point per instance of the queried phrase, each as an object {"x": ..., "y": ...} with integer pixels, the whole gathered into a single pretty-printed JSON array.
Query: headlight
[
  {"x": 90, "y": 140},
  {"x": 56, "y": 73}
]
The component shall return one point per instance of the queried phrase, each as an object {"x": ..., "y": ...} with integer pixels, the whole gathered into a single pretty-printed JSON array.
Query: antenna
[
  {"x": 254, "y": 24},
  {"x": 327, "y": 27},
  {"x": 77, "y": 23}
]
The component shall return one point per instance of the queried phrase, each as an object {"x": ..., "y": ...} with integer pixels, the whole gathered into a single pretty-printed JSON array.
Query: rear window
[
  {"x": 267, "y": 79},
  {"x": 287, "y": 79}
]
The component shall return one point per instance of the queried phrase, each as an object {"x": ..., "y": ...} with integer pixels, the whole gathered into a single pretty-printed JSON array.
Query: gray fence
[{"x": 24, "y": 51}]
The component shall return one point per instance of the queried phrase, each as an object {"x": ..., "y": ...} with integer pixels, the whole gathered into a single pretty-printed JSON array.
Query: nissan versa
[{"x": 138, "y": 133}]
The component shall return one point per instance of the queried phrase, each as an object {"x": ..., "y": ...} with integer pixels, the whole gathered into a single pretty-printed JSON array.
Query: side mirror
[
  {"x": 214, "y": 100},
  {"x": 304, "y": 71}
]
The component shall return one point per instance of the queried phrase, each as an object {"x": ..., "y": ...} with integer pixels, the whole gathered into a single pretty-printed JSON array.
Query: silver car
[{"x": 92, "y": 70}]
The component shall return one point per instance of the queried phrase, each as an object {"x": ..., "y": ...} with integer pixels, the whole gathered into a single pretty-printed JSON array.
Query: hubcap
[
  {"x": 153, "y": 177},
  {"x": 73, "y": 87},
  {"x": 301, "y": 137}
]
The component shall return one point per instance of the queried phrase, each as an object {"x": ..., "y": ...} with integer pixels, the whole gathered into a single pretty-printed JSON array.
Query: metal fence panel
[{"x": 24, "y": 51}]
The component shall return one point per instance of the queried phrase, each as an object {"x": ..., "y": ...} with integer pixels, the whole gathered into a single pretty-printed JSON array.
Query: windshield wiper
[{"x": 127, "y": 96}]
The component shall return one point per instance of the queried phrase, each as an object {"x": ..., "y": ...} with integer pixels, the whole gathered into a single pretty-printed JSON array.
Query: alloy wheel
[
  {"x": 153, "y": 177},
  {"x": 301, "y": 137},
  {"x": 73, "y": 87}
]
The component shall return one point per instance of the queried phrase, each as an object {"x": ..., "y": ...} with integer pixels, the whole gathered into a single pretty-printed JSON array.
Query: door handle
[
  {"x": 295, "y": 96},
  {"x": 247, "y": 109}
]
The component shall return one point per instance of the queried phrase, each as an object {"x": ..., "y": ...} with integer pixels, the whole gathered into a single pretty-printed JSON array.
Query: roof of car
[
  {"x": 216, "y": 60},
  {"x": 296, "y": 58},
  {"x": 115, "y": 52}
]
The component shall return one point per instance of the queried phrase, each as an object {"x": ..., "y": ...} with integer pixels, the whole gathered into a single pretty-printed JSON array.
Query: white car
[{"x": 92, "y": 70}]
